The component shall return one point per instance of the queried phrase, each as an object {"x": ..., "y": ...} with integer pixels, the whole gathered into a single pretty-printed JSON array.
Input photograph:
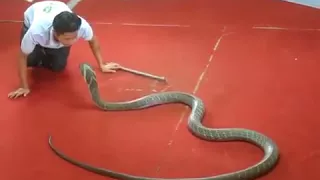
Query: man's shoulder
[
  {"x": 84, "y": 22},
  {"x": 39, "y": 31},
  {"x": 38, "y": 28}
]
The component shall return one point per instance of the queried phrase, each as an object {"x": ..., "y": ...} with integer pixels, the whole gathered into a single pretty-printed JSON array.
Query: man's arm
[
  {"x": 88, "y": 35},
  {"x": 96, "y": 50},
  {"x": 27, "y": 46},
  {"x": 22, "y": 63}
]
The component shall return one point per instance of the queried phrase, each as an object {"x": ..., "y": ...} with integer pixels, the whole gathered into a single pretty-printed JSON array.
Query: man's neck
[{"x": 55, "y": 37}]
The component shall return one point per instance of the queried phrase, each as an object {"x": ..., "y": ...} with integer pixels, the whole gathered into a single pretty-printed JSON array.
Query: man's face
[{"x": 67, "y": 39}]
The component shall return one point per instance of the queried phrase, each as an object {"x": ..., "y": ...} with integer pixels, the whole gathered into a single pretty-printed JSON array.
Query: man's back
[{"x": 43, "y": 11}]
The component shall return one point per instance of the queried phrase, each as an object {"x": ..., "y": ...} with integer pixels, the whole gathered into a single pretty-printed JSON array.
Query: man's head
[{"x": 66, "y": 25}]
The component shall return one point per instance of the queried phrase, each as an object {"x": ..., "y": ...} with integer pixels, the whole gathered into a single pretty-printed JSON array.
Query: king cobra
[{"x": 268, "y": 162}]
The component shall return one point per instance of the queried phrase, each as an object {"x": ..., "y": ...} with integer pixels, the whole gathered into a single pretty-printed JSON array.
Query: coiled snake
[{"x": 271, "y": 153}]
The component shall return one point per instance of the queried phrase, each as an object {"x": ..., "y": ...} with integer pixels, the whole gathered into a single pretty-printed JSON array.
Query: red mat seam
[{"x": 195, "y": 90}]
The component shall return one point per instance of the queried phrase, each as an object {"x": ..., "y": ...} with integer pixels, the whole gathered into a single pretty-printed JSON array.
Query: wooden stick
[{"x": 143, "y": 74}]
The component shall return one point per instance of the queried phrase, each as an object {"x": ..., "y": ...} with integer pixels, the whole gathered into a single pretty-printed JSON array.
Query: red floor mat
[
  {"x": 269, "y": 84},
  {"x": 201, "y": 13},
  {"x": 264, "y": 80},
  {"x": 60, "y": 104},
  {"x": 12, "y": 9}
]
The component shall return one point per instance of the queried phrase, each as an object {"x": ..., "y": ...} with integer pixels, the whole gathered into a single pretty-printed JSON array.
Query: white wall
[{"x": 311, "y": 3}]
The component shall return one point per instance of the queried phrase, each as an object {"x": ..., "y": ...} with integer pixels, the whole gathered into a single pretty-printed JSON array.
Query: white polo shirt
[{"x": 39, "y": 17}]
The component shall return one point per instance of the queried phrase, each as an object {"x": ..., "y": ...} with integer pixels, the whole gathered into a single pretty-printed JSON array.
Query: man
[{"x": 49, "y": 30}]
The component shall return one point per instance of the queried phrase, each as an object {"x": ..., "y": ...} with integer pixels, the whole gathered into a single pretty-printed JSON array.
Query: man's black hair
[{"x": 66, "y": 22}]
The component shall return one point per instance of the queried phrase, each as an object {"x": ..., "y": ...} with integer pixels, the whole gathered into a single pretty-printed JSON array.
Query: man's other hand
[{"x": 19, "y": 92}]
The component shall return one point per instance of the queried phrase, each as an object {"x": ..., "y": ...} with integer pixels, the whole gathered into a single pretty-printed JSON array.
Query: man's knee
[
  {"x": 59, "y": 65},
  {"x": 35, "y": 58},
  {"x": 59, "y": 58}
]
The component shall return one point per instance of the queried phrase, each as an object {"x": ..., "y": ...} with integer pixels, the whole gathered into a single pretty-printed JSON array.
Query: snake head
[{"x": 87, "y": 71}]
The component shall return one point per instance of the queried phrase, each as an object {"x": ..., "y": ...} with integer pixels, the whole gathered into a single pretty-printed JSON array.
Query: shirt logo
[{"x": 47, "y": 9}]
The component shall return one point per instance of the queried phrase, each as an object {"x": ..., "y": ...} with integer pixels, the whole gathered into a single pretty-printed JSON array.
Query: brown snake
[{"x": 267, "y": 163}]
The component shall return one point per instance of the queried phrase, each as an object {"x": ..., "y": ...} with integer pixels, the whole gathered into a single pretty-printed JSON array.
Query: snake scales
[{"x": 271, "y": 153}]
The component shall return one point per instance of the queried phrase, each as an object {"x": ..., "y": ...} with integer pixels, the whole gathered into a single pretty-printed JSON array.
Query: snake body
[{"x": 268, "y": 162}]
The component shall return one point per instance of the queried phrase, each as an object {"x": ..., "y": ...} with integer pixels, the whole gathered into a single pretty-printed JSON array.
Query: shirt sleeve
[
  {"x": 86, "y": 31},
  {"x": 28, "y": 43}
]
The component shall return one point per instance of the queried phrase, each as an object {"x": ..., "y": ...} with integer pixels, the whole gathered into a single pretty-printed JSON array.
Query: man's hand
[
  {"x": 19, "y": 92},
  {"x": 110, "y": 67}
]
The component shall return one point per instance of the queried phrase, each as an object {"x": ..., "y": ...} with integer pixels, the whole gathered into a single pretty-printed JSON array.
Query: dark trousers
[{"x": 53, "y": 59}]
